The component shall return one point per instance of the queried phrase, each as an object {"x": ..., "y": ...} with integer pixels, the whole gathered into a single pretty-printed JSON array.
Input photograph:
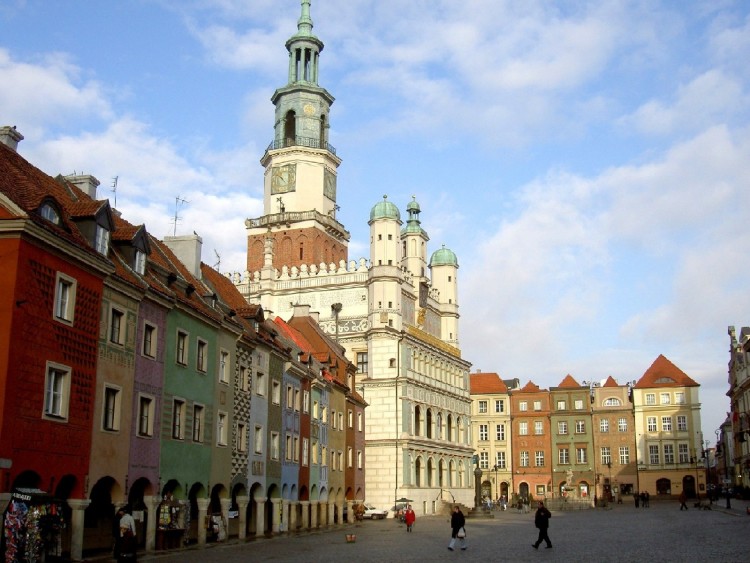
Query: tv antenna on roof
[
  {"x": 178, "y": 201},
  {"x": 217, "y": 266},
  {"x": 114, "y": 188}
]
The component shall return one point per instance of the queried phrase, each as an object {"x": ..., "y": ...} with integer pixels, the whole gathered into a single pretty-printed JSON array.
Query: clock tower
[{"x": 299, "y": 186}]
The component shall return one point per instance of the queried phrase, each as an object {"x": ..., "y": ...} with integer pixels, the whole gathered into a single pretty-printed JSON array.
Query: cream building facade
[{"x": 396, "y": 312}]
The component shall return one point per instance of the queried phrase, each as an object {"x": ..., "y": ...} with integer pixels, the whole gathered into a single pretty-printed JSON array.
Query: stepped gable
[
  {"x": 569, "y": 383},
  {"x": 610, "y": 382},
  {"x": 664, "y": 373},
  {"x": 530, "y": 387},
  {"x": 486, "y": 383}
]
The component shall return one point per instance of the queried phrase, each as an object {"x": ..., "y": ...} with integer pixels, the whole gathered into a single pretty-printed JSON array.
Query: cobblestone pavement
[{"x": 621, "y": 533}]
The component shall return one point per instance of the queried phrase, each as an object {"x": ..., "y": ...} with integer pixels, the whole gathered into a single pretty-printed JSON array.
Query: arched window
[{"x": 612, "y": 402}]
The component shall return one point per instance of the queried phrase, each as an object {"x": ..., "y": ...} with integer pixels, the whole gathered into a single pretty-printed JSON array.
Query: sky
[{"x": 587, "y": 161}]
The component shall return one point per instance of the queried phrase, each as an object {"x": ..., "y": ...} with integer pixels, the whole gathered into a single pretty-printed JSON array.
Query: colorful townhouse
[{"x": 531, "y": 444}]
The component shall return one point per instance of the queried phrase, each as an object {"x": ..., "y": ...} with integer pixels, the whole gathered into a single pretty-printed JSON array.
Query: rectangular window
[
  {"x": 102, "y": 240},
  {"x": 295, "y": 448},
  {"x": 606, "y": 455},
  {"x": 305, "y": 451},
  {"x": 581, "y": 455},
  {"x": 523, "y": 428},
  {"x": 665, "y": 399},
  {"x": 288, "y": 448},
  {"x": 484, "y": 433},
  {"x": 341, "y": 420},
  {"x": 561, "y": 405},
  {"x": 275, "y": 392},
  {"x": 182, "y": 342},
  {"x": 539, "y": 458},
  {"x": 681, "y": 422},
  {"x": 350, "y": 419},
  {"x": 111, "y": 411},
  {"x": 198, "y": 419},
  {"x": 241, "y": 437},
  {"x": 604, "y": 425},
  {"x": 563, "y": 456},
  {"x": 651, "y": 424},
  {"x": 562, "y": 427},
  {"x": 482, "y": 407},
  {"x": 538, "y": 428},
  {"x": 315, "y": 410},
  {"x": 305, "y": 401},
  {"x": 500, "y": 432},
  {"x": 579, "y": 404},
  {"x": 500, "y": 460},
  {"x": 537, "y": 405},
  {"x": 360, "y": 459},
  {"x": 653, "y": 454},
  {"x": 524, "y": 459},
  {"x": 359, "y": 422},
  {"x": 145, "y": 416},
  {"x": 296, "y": 399},
  {"x": 622, "y": 424},
  {"x": 200, "y": 361},
  {"x": 57, "y": 392},
  {"x": 333, "y": 419},
  {"x": 340, "y": 456},
  {"x": 624, "y": 455},
  {"x": 149, "y": 340},
  {"x": 116, "y": 326},
  {"x": 679, "y": 398},
  {"x": 349, "y": 457},
  {"x": 140, "y": 262},
  {"x": 178, "y": 419},
  {"x": 499, "y": 406},
  {"x": 682, "y": 452},
  {"x": 314, "y": 453},
  {"x": 224, "y": 366},
  {"x": 362, "y": 362},
  {"x": 65, "y": 291},
  {"x": 324, "y": 414},
  {"x": 274, "y": 445},
  {"x": 650, "y": 398},
  {"x": 523, "y": 406},
  {"x": 580, "y": 426},
  {"x": 666, "y": 423},
  {"x": 668, "y": 453},
  {"x": 258, "y": 440},
  {"x": 221, "y": 429},
  {"x": 260, "y": 384},
  {"x": 484, "y": 460},
  {"x": 289, "y": 397}
]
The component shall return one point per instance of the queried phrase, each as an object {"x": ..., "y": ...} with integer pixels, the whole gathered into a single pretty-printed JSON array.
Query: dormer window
[
  {"x": 140, "y": 262},
  {"x": 50, "y": 213},
  {"x": 102, "y": 240}
]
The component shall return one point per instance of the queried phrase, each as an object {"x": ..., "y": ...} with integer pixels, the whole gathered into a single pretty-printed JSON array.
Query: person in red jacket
[{"x": 409, "y": 518}]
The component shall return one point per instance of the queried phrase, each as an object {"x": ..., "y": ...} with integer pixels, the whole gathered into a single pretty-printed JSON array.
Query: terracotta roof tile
[
  {"x": 486, "y": 383},
  {"x": 530, "y": 387},
  {"x": 610, "y": 382},
  {"x": 568, "y": 382},
  {"x": 664, "y": 373}
]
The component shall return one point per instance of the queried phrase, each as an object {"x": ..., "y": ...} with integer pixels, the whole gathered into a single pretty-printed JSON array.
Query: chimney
[
  {"x": 301, "y": 310},
  {"x": 10, "y": 137},
  {"x": 85, "y": 182},
  {"x": 188, "y": 249}
]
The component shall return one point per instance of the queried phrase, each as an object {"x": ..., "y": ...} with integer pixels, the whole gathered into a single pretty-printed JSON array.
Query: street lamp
[{"x": 497, "y": 486}]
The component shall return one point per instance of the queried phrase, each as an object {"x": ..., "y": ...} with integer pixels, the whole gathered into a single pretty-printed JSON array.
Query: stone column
[
  {"x": 152, "y": 505},
  {"x": 285, "y": 526},
  {"x": 313, "y": 514},
  {"x": 226, "y": 504},
  {"x": 275, "y": 515},
  {"x": 293, "y": 507},
  {"x": 202, "y": 512},
  {"x": 349, "y": 511},
  {"x": 331, "y": 512},
  {"x": 76, "y": 527},
  {"x": 260, "y": 520},
  {"x": 242, "y": 503},
  {"x": 305, "y": 514}
]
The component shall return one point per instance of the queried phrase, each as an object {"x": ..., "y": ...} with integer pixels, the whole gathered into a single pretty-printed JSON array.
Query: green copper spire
[{"x": 305, "y": 23}]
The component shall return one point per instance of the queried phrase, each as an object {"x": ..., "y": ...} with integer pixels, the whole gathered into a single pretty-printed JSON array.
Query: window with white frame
[
  {"x": 606, "y": 455},
  {"x": 324, "y": 414},
  {"x": 111, "y": 410},
  {"x": 65, "y": 298},
  {"x": 523, "y": 406},
  {"x": 666, "y": 424},
  {"x": 484, "y": 433},
  {"x": 341, "y": 420},
  {"x": 622, "y": 424},
  {"x": 178, "y": 419},
  {"x": 580, "y": 426},
  {"x": 305, "y": 401},
  {"x": 539, "y": 458},
  {"x": 288, "y": 449},
  {"x": 681, "y": 422},
  {"x": 581, "y": 455},
  {"x": 50, "y": 213},
  {"x": 500, "y": 432},
  {"x": 604, "y": 425},
  {"x": 668, "y": 453},
  {"x": 499, "y": 406},
  {"x": 260, "y": 384},
  {"x": 145, "y": 415},
  {"x": 612, "y": 402},
  {"x": 333, "y": 419},
  {"x": 241, "y": 437},
  {"x": 563, "y": 456},
  {"x": 524, "y": 458},
  {"x": 624, "y": 455},
  {"x": 650, "y": 398},
  {"x": 679, "y": 397},
  {"x": 149, "y": 340},
  {"x": 296, "y": 399},
  {"x": 181, "y": 349},
  {"x": 350, "y": 418},
  {"x": 523, "y": 428},
  {"x": 538, "y": 427},
  {"x": 305, "y": 451},
  {"x": 201, "y": 358},
  {"x": 349, "y": 457},
  {"x": 221, "y": 429},
  {"x": 139, "y": 264},
  {"x": 537, "y": 405},
  {"x": 653, "y": 454},
  {"x": 57, "y": 392},
  {"x": 315, "y": 410},
  {"x": 224, "y": 366},
  {"x": 651, "y": 424},
  {"x": 340, "y": 456},
  {"x": 362, "y": 362},
  {"x": 258, "y": 440},
  {"x": 295, "y": 448},
  {"x": 562, "y": 427},
  {"x": 482, "y": 407},
  {"x": 666, "y": 399},
  {"x": 275, "y": 392},
  {"x": 360, "y": 459},
  {"x": 289, "y": 397},
  {"x": 102, "y": 240},
  {"x": 484, "y": 460},
  {"x": 116, "y": 326},
  {"x": 561, "y": 405},
  {"x": 198, "y": 421},
  {"x": 275, "y": 445},
  {"x": 359, "y": 422},
  {"x": 578, "y": 404},
  {"x": 683, "y": 453},
  {"x": 500, "y": 460}
]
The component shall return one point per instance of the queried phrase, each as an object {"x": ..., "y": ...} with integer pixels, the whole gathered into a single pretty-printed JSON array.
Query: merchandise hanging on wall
[{"x": 32, "y": 526}]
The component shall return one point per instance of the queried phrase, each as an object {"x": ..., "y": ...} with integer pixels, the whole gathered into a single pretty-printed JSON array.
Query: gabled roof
[
  {"x": 486, "y": 383},
  {"x": 610, "y": 382},
  {"x": 530, "y": 387},
  {"x": 664, "y": 373},
  {"x": 569, "y": 383}
]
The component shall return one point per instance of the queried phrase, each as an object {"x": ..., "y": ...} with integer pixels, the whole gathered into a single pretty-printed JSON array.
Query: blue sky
[{"x": 586, "y": 160}]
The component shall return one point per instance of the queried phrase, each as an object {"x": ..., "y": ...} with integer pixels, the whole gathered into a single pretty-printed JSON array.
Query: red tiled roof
[
  {"x": 530, "y": 387},
  {"x": 485, "y": 383},
  {"x": 664, "y": 373},
  {"x": 568, "y": 382},
  {"x": 610, "y": 382}
]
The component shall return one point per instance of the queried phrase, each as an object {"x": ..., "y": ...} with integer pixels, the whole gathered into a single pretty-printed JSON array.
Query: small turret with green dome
[
  {"x": 443, "y": 257},
  {"x": 413, "y": 224},
  {"x": 385, "y": 210}
]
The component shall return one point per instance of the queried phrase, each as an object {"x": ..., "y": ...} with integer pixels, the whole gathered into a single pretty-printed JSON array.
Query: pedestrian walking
[
  {"x": 637, "y": 497},
  {"x": 647, "y": 505},
  {"x": 541, "y": 521},
  {"x": 409, "y": 518},
  {"x": 128, "y": 543},
  {"x": 458, "y": 529},
  {"x": 683, "y": 498}
]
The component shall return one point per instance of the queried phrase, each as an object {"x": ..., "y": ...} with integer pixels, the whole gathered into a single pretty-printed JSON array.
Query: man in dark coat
[
  {"x": 457, "y": 528},
  {"x": 541, "y": 521}
]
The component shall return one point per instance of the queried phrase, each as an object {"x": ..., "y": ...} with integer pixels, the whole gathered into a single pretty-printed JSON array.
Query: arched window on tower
[
  {"x": 323, "y": 133},
  {"x": 290, "y": 129}
]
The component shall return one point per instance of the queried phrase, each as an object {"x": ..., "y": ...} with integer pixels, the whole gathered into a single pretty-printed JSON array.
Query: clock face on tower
[
  {"x": 283, "y": 178},
  {"x": 329, "y": 185}
]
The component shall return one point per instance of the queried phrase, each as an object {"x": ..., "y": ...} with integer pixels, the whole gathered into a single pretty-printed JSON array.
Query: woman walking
[{"x": 457, "y": 528}]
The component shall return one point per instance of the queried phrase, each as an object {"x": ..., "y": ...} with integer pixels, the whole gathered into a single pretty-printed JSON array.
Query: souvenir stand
[
  {"x": 173, "y": 519},
  {"x": 32, "y": 526}
]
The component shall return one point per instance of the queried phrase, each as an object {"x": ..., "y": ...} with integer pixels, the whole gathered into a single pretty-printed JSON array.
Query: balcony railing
[{"x": 309, "y": 142}]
